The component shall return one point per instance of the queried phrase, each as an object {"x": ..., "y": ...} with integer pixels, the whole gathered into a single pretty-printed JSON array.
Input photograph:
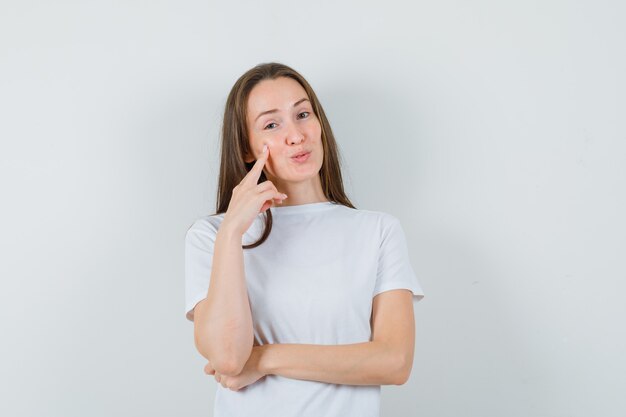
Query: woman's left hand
[{"x": 250, "y": 374}]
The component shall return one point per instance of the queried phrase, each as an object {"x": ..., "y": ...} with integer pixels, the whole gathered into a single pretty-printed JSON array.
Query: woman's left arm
[
  {"x": 368, "y": 363},
  {"x": 386, "y": 360}
]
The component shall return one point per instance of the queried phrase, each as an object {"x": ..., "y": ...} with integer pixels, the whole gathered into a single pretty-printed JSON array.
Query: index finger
[{"x": 257, "y": 168}]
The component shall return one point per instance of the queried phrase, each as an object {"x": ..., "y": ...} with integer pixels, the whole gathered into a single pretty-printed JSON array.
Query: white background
[{"x": 493, "y": 129}]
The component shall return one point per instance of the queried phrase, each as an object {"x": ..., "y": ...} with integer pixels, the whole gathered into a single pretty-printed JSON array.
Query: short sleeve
[
  {"x": 394, "y": 267},
  {"x": 199, "y": 243}
]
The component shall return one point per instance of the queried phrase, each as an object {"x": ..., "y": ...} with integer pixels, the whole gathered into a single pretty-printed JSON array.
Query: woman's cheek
[{"x": 270, "y": 166}]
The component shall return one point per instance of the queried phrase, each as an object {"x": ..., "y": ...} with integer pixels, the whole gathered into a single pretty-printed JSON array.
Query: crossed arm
[{"x": 386, "y": 360}]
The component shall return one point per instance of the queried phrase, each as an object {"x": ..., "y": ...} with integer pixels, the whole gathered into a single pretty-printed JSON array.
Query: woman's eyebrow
[{"x": 275, "y": 110}]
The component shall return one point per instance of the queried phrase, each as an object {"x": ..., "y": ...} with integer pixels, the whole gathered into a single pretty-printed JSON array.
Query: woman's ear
[{"x": 248, "y": 157}]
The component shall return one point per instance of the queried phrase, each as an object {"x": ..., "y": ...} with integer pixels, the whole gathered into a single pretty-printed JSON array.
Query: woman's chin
[{"x": 299, "y": 176}]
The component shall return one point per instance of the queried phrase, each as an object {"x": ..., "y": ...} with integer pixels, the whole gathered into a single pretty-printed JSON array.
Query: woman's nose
[{"x": 294, "y": 135}]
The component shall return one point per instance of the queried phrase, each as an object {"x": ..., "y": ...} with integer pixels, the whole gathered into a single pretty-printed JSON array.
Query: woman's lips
[{"x": 301, "y": 158}]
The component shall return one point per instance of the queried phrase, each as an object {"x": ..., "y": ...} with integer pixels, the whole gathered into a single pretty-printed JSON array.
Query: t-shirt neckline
[{"x": 302, "y": 208}]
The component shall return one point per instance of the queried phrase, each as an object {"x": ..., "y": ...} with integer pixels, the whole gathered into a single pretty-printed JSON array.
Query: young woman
[{"x": 301, "y": 303}]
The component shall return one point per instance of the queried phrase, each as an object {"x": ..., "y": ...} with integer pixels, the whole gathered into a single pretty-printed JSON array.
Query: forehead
[{"x": 280, "y": 94}]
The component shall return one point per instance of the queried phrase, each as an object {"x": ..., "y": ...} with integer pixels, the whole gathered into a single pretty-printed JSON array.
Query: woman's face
[{"x": 281, "y": 116}]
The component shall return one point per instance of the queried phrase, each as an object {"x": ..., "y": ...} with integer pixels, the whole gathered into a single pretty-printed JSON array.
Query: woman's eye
[{"x": 301, "y": 113}]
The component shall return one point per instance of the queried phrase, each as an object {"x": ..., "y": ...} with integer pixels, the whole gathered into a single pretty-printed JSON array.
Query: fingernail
[
  {"x": 285, "y": 195},
  {"x": 264, "y": 148}
]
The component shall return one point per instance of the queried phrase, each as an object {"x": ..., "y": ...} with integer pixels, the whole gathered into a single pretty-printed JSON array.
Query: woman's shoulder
[
  {"x": 368, "y": 220},
  {"x": 208, "y": 223},
  {"x": 373, "y": 215}
]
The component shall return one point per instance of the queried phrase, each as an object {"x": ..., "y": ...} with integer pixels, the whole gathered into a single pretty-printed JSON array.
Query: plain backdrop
[{"x": 494, "y": 130}]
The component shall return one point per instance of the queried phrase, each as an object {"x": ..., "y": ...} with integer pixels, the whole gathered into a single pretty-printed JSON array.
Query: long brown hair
[{"x": 235, "y": 142}]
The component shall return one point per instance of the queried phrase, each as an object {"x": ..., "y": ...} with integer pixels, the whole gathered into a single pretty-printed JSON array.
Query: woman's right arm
[{"x": 222, "y": 321}]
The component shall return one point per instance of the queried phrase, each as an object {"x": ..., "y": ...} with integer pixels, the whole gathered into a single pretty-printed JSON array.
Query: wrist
[
  {"x": 229, "y": 232},
  {"x": 264, "y": 359}
]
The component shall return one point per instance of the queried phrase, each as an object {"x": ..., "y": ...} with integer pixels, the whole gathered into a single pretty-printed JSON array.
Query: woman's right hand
[{"x": 249, "y": 198}]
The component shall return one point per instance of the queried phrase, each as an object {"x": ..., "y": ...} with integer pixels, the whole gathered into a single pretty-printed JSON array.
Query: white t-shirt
[{"x": 312, "y": 281}]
